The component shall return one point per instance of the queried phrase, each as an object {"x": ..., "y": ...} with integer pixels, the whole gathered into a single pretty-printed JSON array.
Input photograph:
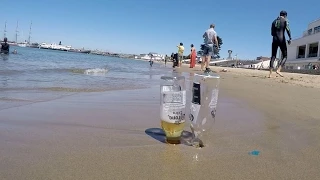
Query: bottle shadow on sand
[{"x": 159, "y": 135}]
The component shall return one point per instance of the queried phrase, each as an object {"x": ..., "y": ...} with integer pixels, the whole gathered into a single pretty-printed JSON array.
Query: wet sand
[{"x": 116, "y": 135}]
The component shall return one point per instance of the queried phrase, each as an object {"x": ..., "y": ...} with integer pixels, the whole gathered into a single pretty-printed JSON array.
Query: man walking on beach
[
  {"x": 278, "y": 28},
  {"x": 210, "y": 38},
  {"x": 261, "y": 65},
  {"x": 5, "y": 46},
  {"x": 180, "y": 54}
]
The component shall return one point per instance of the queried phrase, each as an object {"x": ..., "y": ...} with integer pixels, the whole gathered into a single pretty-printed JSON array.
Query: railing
[
  {"x": 312, "y": 55},
  {"x": 314, "y": 30},
  {"x": 314, "y": 21},
  {"x": 309, "y": 33}
]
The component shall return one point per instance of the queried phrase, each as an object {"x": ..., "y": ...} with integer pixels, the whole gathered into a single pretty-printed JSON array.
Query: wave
[
  {"x": 14, "y": 99},
  {"x": 96, "y": 71},
  {"x": 93, "y": 71},
  {"x": 90, "y": 71},
  {"x": 70, "y": 89},
  {"x": 66, "y": 89}
]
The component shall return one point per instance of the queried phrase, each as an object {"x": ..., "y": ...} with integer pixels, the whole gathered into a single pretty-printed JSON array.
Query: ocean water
[{"x": 35, "y": 75}]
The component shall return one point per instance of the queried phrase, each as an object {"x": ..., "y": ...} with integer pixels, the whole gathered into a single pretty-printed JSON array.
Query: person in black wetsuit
[
  {"x": 5, "y": 46},
  {"x": 278, "y": 28}
]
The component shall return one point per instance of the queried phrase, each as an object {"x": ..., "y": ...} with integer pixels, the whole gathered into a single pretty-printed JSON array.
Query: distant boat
[
  {"x": 44, "y": 46},
  {"x": 54, "y": 47},
  {"x": 145, "y": 57},
  {"x": 59, "y": 47},
  {"x": 24, "y": 44},
  {"x": 33, "y": 45},
  {"x": 155, "y": 56},
  {"x": 11, "y": 43},
  {"x": 79, "y": 51}
]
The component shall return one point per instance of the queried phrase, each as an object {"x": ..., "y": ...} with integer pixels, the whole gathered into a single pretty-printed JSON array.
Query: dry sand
[{"x": 109, "y": 135}]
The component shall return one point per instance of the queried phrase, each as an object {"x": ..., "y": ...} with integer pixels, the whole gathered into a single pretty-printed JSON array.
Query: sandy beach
[{"x": 116, "y": 135}]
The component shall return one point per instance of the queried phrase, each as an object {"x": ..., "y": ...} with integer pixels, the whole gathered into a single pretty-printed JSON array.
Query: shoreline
[
  {"x": 292, "y": 71},
  {"x": 305, "y": 80}
]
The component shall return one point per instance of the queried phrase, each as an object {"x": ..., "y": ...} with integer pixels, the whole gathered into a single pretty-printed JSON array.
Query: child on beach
[{"x": 151, "y": 61}]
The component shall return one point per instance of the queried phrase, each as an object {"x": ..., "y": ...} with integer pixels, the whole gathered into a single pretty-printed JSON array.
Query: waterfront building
[{"x": 305, "y": 50}]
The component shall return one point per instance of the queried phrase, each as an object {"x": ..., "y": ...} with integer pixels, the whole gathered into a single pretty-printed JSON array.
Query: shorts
[
  {"x": 207, "y": 49},
  {"x": 180, "y": 57}
]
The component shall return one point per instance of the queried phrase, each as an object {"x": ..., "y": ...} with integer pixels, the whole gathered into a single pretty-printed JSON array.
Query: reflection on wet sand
[
  {"x": 159, "y": 135},
  {"x": 123, "y": 128}
]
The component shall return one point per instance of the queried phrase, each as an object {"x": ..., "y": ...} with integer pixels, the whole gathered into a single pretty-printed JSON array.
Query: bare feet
[{"x": 279, "y": 73}]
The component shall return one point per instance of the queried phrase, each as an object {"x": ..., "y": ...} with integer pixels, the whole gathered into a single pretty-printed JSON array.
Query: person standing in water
[
  {"x": 193, "y": 56},
  {"x": 151, "y": 61},
  {"x": 278, "y": 28},
  {"x": 5, "y": 47}
]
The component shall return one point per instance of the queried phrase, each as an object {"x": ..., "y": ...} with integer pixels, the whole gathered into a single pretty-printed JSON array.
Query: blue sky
[{"x": 142, "y": 26}]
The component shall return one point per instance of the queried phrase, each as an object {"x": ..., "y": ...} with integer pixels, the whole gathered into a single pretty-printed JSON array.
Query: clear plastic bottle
[{"x": 203, "y": 106}]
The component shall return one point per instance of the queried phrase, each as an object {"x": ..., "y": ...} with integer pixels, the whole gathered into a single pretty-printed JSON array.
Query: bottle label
[
  {"x": 169, "y": 88},
  {"x": 173, "y": 106},
  {"x": 214, "y": 102},
  {"x": 196, "y": 102},
  {"x": 196, "y": 93}
]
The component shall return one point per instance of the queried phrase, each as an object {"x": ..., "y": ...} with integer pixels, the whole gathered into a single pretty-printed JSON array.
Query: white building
[{"x": 305, "y": 50}]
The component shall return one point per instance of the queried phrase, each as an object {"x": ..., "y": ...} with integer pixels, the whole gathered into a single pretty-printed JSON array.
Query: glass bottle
[{"x": 172, "y": 107}]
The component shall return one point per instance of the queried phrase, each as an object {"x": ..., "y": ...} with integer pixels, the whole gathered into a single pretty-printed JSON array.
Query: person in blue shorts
[{"x": 210, "y": 43}]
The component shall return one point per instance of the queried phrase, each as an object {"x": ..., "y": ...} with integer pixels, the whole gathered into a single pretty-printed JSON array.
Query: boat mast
[
  {"x": 17, "y": 31},
  {"x": 29, "y": 33},
  {"x": 5, "y": 30}
]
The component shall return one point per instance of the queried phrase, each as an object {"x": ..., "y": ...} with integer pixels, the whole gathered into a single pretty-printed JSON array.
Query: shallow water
[{"x": 35, "y": 75}]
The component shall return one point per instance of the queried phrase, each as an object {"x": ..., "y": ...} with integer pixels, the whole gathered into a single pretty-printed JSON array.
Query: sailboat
[{"x": 23, "y": 44}]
